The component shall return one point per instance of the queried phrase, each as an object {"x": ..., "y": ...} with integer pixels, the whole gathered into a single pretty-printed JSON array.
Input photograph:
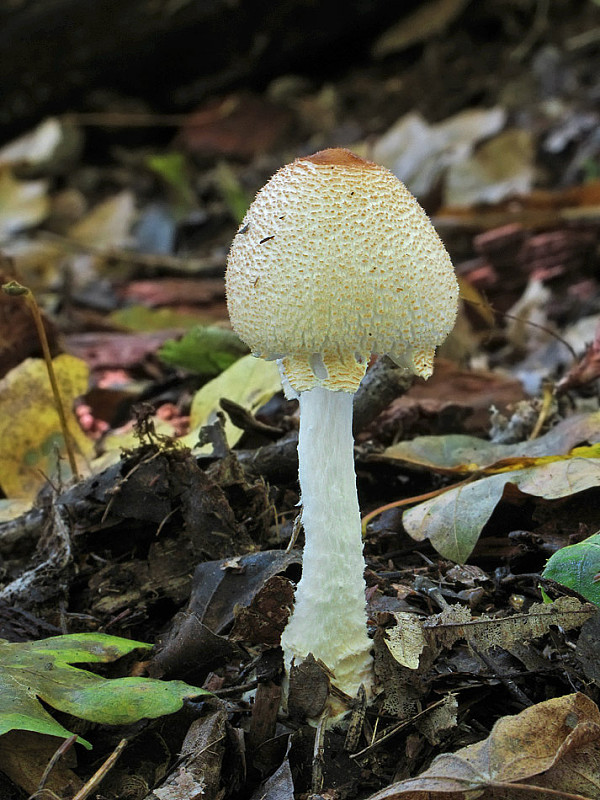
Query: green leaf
[
  {"x": 576, "y": 566},
  {"x": 207, "y": 351},
  {"x": 174, "y": 171},
  {"x": 142, "y": 318},
  {"x": 250, "y": 382},
  {"x": 235, "y": 196},
  {"x": 42, "y": 670},
  {"x": 453, "y": 521}
]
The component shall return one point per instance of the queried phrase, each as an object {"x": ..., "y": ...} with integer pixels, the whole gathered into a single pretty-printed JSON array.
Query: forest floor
[{"x": 171, "y": 524}]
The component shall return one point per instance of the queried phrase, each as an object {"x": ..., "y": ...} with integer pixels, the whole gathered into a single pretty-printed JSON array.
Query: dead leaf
[
  {"x": 418, "y": 153},
  {"x": 24, "y": 755},
  {"x": 500, "y": 168},
  {"x": 199, "y": 768},
  {"x": 174, "y": 291},
  {"x": 488, "y": 632},
  {"x": 545, "y": 745},
  {"x": 539, "y": 208},
  {"x": 587, "y": 369},
  {"x": 48, "y": 148},
  {"x": 31, "y": 440},
  {"x": 577, "y": 764},
  {"x": 102, "y": 350},
  {"x": 440, "y": 718},
  {"x": 587, "y": 648},
  {"x": 192, "y": 641},
  {"x": 23, "y": 204},
  {"x": 249, "y": 382},
  {"x": 428, "y": 21},
  {"x": 459, "y": 454},
  {"x": 107, "y": 225},
  {"x": 308, "y": 688},
  {"x": 263, "y": 621},
  {"x": 451, "y": 389},
  {"x": 409, "y": 638},
  {"x": 34, "y": 147},
  {"x": 217, "y": 591},
  {"x": 238, "y": 125},
  {"x": 406, "y": 640},
  {"x": 454, "y": 520},
  {"x": 280, "y": 786},
  {"x": 37, "y": 262}
]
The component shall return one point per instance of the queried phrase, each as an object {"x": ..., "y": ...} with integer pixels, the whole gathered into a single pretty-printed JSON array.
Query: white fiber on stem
[{"x": 329, "y": 618}]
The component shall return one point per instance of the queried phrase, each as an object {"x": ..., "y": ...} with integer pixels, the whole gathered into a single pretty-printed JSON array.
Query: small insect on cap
[{"x": 335, "y": 260}]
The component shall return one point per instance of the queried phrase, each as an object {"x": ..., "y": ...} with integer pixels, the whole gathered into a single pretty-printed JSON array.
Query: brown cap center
[{"x": 339, "y": 157}]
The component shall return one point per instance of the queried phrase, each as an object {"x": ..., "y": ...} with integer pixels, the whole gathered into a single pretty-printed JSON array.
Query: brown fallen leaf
[
  {"x": 460, "y": 454},
  {"x": 453, "y": 520},
  {"x": 238, "y": 125},
  {"x": 174, "y": 291},
  {"x": 407, "y": 640},
  {"x": 451, "y": 391},
  {"x": 280, "y": 786},
  {"x": 428, "y": 21},
  {"x": 193, "y": 640},
  {"x": 24, "y": 757},
  {"x": 552, "y": 744},
  {"x": 540, "y": 208},
  {"x": 110, "y": 350},
  {"x": 576, "y": 765},
  {"x": 198, "y": 772},
  {"x": 263, "y": 621}
]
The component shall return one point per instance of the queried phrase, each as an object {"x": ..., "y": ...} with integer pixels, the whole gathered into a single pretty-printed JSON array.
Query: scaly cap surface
[{"x": 335, "y": 260}]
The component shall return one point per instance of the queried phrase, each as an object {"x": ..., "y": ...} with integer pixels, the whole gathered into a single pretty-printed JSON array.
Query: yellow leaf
[
  {"x": 477, "y": 301},
  {"x": 512, "y": 464},
  {"x": 30, "y": 434},
  {"x": 11, "y": 509},
  {"x": 250, "y": 383},
  {"x": 108, "y": 224}
]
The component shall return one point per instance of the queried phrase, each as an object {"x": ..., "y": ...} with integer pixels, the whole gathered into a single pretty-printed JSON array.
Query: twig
[
  {"x": 547, "y": 398},
  {"x": 64, "y": 748},
  {"x": 101, "y": 773},
  {"x": 318, "y": 754},
  {"x": 407, "y": 501},
  {"x": 396, "y": 729},
  {"x": 507, "y": 315}
]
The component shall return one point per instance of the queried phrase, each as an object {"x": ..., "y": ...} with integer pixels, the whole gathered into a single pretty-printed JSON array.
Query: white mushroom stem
[{"x": 329, "y": 618}]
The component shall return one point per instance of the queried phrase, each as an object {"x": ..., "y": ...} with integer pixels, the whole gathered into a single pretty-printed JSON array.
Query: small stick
[
  {"x": 318, "y": 754},
  {"x": 407, "y": 501},
  {"x": 100, "y": 774},
  {"x": 295, "y": 532},
  {"x": 64, "y": 747},
  {"x": 547, "y": 398}
]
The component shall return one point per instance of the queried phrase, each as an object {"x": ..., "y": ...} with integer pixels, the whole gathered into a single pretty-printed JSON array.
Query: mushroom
[{"x": 334, "y": 261}]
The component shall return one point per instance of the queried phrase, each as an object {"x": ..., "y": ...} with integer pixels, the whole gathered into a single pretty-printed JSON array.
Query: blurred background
[{"x": 133, "y": 136}]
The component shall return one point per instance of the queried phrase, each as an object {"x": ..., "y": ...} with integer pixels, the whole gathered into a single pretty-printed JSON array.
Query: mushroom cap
[{"x": 336, "y": 260}]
